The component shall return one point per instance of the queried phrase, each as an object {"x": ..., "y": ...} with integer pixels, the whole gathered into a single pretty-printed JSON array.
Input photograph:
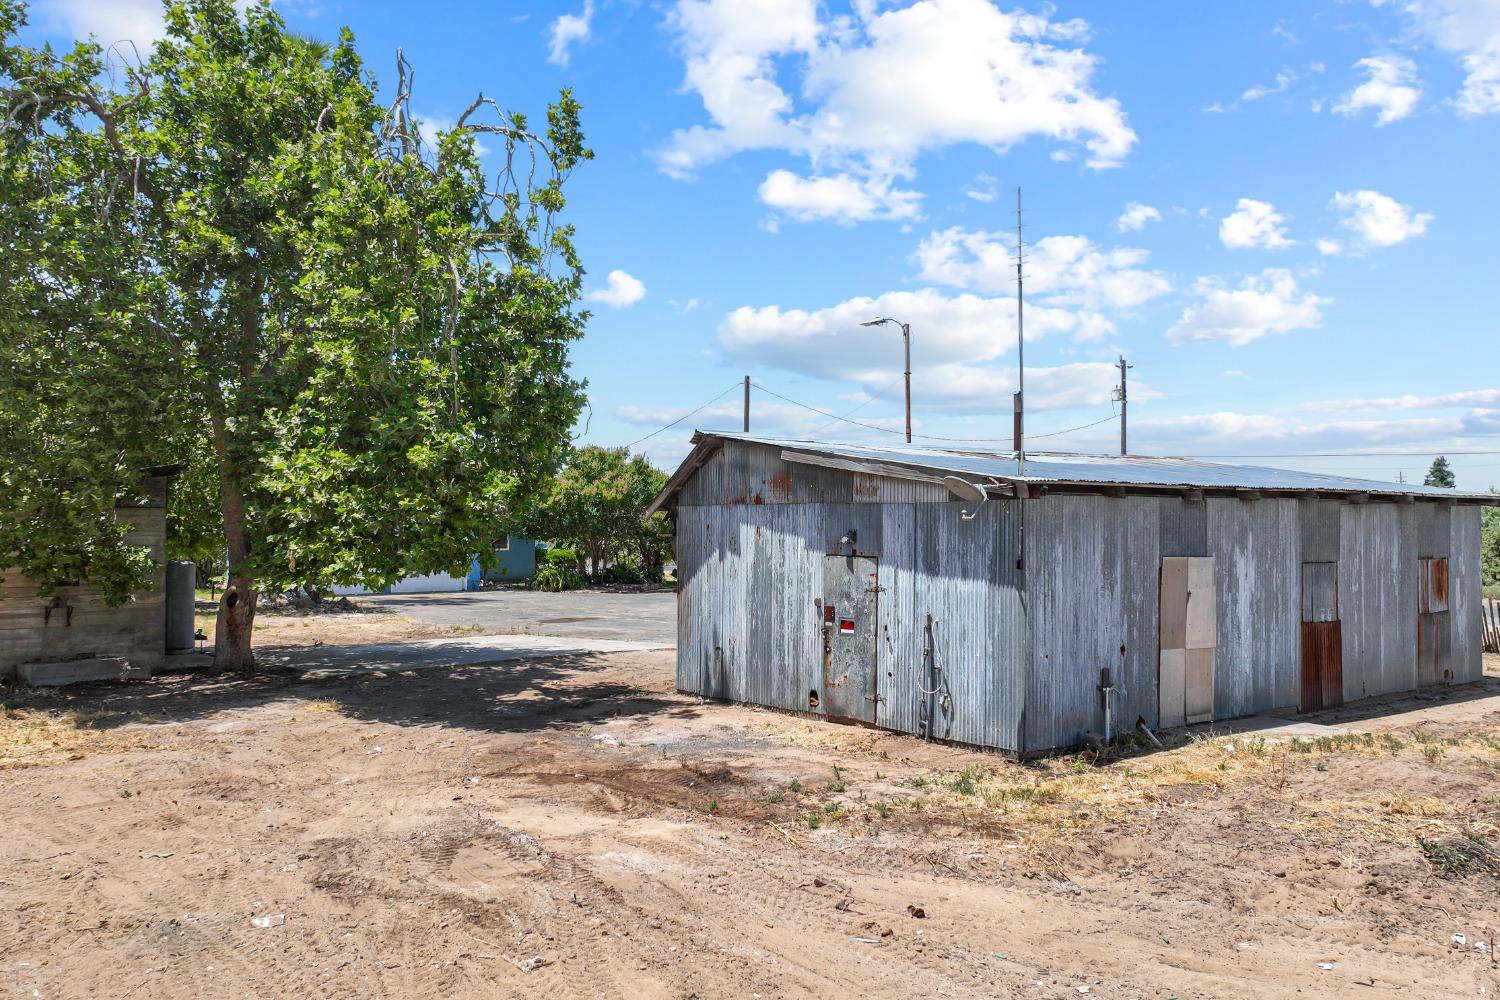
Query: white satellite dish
[{"x": 965, "y": 490}]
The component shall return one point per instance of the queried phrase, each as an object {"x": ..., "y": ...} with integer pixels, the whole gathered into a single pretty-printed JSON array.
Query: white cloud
[
  {"x": 877, "y": 88},
  {"x": 1284, "y": 79},
  {"x": 1135, "y": 217},
  {"x": 1254, "y": 224},
  {"x": 1329, "y": 247},
  {"x": 108, "y": 21},
  {"x": 1467, "y": 397},
  {"x": 985, "y": 189},
  {"x": 1233, "y": 373},
  {"x": 620, "y": 291},
  {"x": 1262, "y": 304},
  {"x": 842, "y": 198},
  {"x": 1391, "y": 90},
  {"x": 1380, "y": 220},
  {"x": 1234, "y": 433},
  {"x": 1469, "y": 29},
  {"x": 569, "y": 30},
  {"x": 1061, "y": 270}
]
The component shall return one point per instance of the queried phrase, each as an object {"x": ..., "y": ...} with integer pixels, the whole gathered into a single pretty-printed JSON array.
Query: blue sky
[{"x": 1281, "y": 213}]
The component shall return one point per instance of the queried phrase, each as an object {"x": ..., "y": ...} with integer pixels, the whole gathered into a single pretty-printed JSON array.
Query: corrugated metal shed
[
  {"x": 1050, "y": 468},
  {"x": 1056, "y": 578}
]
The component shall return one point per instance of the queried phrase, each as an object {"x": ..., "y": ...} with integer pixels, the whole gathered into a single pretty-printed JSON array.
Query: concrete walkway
[{"x": 429, "y": 654}]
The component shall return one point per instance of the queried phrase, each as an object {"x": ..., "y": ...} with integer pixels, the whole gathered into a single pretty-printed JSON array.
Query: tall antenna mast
[{"x": 1020, "y": 417}]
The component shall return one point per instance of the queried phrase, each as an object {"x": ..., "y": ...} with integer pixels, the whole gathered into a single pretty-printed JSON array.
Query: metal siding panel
[
  {"x": 1377, "y": 599},
  {"x": 1258, "y": 580},
  {"x": 1464, "y": 594},
  {"x": 899, "y": 657},
  {"x": 958, "y": 594},
  {"x": 1319, "y": 522},
  {"x": 1320, "y": 591},
  {"x": 1092, "y": 583},
  {"x": 1135, "y": 673},
  {"x": 893, "y": 490}
]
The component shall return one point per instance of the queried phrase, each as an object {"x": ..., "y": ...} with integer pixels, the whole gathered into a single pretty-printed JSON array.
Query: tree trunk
[
  {"x": 236, "y": 621},
  {"x": 232, "y": 650}
]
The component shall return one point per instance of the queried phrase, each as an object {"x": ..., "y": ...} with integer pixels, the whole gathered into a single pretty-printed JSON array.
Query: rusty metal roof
[{"x": 1075, "y": 470}]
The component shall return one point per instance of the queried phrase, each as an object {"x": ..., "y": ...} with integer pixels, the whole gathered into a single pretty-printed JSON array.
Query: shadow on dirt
[{"x": 513, "y": 696}]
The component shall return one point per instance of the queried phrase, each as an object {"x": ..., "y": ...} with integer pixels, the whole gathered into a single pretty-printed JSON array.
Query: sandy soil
[
  {"x": 572, "y": 828},
  {"x": 366, "y": 623}
]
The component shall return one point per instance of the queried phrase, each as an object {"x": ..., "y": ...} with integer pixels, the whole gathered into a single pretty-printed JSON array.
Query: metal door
[{"x": 851, "y": 599}]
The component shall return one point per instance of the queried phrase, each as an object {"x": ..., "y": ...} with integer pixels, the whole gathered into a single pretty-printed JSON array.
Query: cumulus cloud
[
  {"x": 568, "y": 30},
  {"x": 1391, "y": 89},
  {"x": 1470, "y": 30},
  {"x": 1135, "y": 217},
  {"x": 1262, "y": 304},
  {"x": 1380, "y": 220},
  {"x": 878, "y": 87},
  {"x": 1061, "y": 270},
  {"x": 621, "y": 291},
  {"x": 842, "y": 198},
  {"x": 1254, "y": 224},
  {"x": 1329, "y": 247}
]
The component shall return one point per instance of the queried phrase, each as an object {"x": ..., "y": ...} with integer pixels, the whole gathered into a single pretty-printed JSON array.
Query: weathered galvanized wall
[
  {"x": 752, "y": 534},
  {"x": 1258, "y": 577},
  {"x": 1093, "y": 571},
  {"x": 1378, "y": 598},
  {"x": 1093, "y": 599},
  {"x": 753, "y": 531},
  {"x": 134, "y": 631}
]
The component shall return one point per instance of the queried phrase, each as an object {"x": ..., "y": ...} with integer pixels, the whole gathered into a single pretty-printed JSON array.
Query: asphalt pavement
[{"x": 584, "y": 614}]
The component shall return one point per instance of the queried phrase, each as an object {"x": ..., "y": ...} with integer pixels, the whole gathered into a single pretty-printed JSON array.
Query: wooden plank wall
[{"x": 135, "y": 630}]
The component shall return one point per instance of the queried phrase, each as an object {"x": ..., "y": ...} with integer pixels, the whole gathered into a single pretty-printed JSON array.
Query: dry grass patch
[
  {"x": 33, "y": 736},
  {"x": 1048, "y": 800}
]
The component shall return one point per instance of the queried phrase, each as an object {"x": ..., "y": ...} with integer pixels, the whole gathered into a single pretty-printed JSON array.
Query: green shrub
[
  {"x": 560, "y": 557},
  {"x": 553, "y": 578},
  {"x": 625, "y": 573}
]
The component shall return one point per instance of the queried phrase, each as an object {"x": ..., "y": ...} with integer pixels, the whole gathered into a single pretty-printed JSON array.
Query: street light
[{"x": 906, "y": 343}]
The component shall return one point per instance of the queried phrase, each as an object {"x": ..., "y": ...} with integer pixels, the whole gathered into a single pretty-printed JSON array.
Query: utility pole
[
  {"x": 1120, "y": 394},
  {"x": 747, "y": 404},
  {"x": 1020, "y": 416},
  {"x": 1401, "y": 477},
  {"x": 906, "y": 341}
]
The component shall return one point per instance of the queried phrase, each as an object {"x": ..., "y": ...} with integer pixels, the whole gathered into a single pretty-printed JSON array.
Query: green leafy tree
[
  {"x": 1440, "y": 474},
  {"x": 234, "y": 257},
  {"x": 1489, "y": 534},
  {"x": 596, "y": 506}
]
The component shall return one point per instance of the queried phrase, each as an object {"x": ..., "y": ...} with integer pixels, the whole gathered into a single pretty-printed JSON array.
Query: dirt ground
[
  {"x": 334, "y": 627},
  {"x": 573, "y": 828}
]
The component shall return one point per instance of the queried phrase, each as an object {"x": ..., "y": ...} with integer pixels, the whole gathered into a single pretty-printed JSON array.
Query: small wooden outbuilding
[
  {"x": 71, "y": 634},
  {"x": 955, "y": 595}
]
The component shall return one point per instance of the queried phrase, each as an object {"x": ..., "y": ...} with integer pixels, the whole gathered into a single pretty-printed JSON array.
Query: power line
[
  {"x": 680, "y": 419},
  {"x": 874, "y": 394},
  {"x": 1080, "y": 427}
]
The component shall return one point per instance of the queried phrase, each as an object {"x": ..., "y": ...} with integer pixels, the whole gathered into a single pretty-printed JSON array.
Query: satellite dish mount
[{"x": 965, "y": 490}]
